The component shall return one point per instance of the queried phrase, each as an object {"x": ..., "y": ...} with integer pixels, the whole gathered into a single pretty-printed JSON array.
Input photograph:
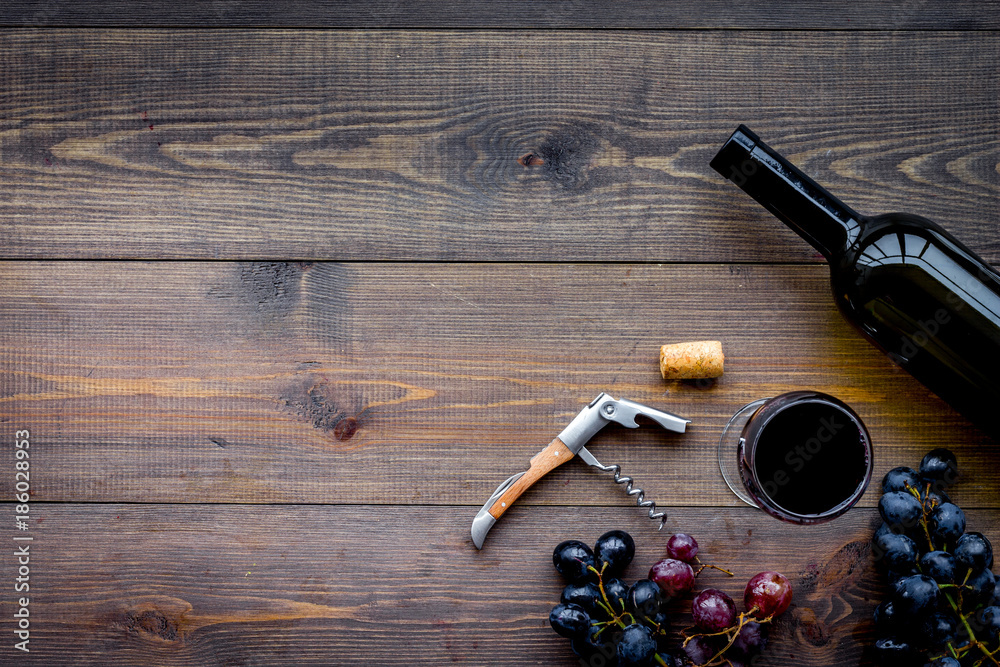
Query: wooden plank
[
  {"x": 390, "y": 145},
  {"x": 219, "y": 585},
  {"x": 643, "y": 14},
  {"x": 420, "y": 383}
]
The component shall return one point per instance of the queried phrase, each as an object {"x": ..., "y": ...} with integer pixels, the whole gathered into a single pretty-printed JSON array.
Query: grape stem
[
  {"x": 954, "y": 653},
  {"x": 704, "y": 566},
  {"x": 730, "y": 633},
  {"x": 924, "y": 510},
  {"x": 606, "y": 605},
  {"x": 973, "y": 642}
]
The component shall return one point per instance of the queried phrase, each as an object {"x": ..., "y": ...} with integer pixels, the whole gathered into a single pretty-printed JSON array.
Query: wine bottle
[{"x": 905, "y": 283}]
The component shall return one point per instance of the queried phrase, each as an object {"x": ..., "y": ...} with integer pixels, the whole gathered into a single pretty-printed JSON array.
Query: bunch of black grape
[
  {"x": 611, "y": 624},
  {"x": 943, "y": 609}
]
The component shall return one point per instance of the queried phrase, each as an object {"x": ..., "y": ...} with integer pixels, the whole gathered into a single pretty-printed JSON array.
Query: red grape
[
  {"x": 682, "y": 547},
  {"x": 751, "y": 639},
  {"x": 713, "y": 611},
  {"x": 769, "y": 592},
  {"x": 700, "y": 650},
  {"x": 673, "y": 576}
]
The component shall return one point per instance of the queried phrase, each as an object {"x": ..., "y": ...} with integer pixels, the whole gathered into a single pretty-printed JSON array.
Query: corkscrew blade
[{"x": 484, "y": 520}]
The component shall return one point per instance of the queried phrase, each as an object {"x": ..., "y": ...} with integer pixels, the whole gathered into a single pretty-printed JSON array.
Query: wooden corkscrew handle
[{"x": 545, "y": 461}]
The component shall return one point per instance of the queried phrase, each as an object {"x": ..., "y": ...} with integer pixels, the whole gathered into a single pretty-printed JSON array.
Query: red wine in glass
[{"x": 803, "y": 457}]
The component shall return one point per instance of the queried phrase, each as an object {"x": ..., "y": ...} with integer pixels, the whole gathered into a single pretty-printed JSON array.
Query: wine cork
[{"x": 689, "y": 361}]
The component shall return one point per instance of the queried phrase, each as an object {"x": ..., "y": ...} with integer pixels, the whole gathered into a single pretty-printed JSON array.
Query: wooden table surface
[{"x": 282, "y": 303}]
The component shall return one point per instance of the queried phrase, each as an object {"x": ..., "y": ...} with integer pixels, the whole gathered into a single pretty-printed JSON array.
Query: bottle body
[
  {"x": 931, "y": 305},
  {"x": 912, "y": 289}
]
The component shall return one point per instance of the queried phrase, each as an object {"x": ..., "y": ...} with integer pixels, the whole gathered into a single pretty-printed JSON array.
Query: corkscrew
[{"x": 570, "y": 442}]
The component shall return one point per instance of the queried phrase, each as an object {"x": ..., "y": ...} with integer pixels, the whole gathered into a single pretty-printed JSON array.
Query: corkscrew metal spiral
[{"x": 630, "y": 487}]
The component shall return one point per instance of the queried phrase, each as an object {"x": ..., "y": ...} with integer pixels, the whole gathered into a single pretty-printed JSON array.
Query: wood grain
[
  {"x": 643, "y": 14},
  {"x": 276, "y": 460},
  {"x": 214, "y": 585},
  {"x": 484, "y": 145},
  {"x": 421, "y": 383}
]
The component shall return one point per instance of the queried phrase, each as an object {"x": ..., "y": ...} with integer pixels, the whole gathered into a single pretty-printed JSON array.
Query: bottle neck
[{"x": 824, "y": 221}]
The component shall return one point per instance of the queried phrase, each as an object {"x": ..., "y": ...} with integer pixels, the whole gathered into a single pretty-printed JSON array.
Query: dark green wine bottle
[{"x": 909, "y": 286}]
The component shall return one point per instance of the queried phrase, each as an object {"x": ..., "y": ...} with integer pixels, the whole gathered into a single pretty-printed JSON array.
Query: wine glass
[{"x": 803, "y": 457}]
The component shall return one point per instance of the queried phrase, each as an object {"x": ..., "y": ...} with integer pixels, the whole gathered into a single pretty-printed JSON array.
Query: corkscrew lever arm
[{"x": 599, "y": 413}]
